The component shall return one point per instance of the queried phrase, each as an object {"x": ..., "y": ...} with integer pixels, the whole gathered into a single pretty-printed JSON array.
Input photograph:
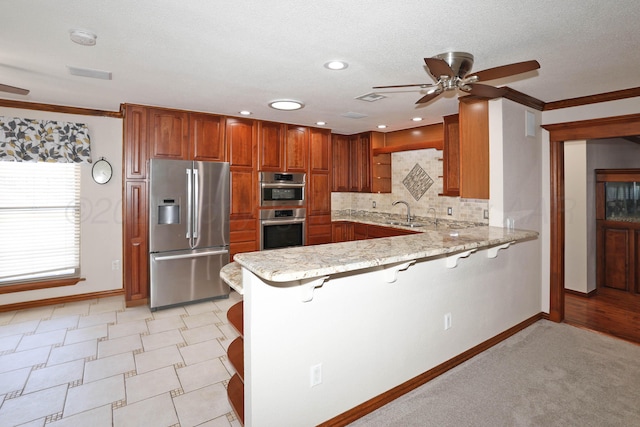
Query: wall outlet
[
  {"x": 449, "y": 211},
  {"x": 373, "y": 204},
  {"x": 115, "y": 264},
  {"x": 315, "y": 375},
  {"x": 486, "y": 214},
  {"x": 447, "y": 321}
]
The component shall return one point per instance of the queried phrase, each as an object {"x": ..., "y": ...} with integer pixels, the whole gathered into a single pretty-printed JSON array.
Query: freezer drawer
[{"x": 179, "y": 277}]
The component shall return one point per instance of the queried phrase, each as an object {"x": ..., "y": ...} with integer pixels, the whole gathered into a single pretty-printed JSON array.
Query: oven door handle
[
  {"x": 281, "y": 185},
  {"x": 282, "y": 221}
]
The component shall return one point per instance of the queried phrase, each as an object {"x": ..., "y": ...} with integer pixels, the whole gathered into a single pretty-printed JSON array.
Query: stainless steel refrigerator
[{"x": 188, "y": 231}]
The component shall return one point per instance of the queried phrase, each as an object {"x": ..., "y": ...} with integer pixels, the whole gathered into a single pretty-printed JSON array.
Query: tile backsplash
[{"x": 403, "y": 165}]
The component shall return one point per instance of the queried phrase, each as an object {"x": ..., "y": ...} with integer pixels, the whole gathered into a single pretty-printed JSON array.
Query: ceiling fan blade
[
  {"x": 486, "y": 91},
  {"x": 428, "y": 97},
  {"x": 392, "y": 86},
  {"x": 506, "y": 70},
  {"x": 13, "y": 89},
  {"x": 438, "y": 67}
]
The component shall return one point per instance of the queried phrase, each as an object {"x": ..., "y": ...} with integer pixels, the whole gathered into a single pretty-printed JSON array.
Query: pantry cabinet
[{"x": 319, "y": 187}]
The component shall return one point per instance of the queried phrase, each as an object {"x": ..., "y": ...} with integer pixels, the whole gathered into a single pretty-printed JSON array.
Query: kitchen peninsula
[{"x": 330, "y": 327}]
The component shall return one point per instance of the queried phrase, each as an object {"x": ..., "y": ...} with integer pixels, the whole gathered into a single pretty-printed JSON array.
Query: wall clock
[{"x": 101, "y": 171}]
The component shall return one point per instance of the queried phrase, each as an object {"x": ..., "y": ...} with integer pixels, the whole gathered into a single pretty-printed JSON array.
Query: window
[{"x": 39, "y": 221}]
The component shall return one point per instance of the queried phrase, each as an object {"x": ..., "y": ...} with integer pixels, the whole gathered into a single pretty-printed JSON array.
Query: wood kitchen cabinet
[
  {"x": 340, "y": 155},
  {"x": 136, "y": 248},
  {"x": 168, "y": 134},
  {"x": 474, "y": 148},
  {"x": 206, "y": 137},
  {"x": 282, "y": 148},
  {"x": 360, "y": 163},
  {"x": 451, "y": 157},
  {"x": 355, "y": 169},
  {"x": 135, "y": 142},
  {"x": 319, "y": 187},
  {"x": 345, "y": 231},
  {"x": 242, "y": 150}
]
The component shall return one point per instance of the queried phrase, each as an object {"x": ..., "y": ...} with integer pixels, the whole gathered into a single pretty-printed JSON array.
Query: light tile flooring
[{"x": 95, "y": 363}]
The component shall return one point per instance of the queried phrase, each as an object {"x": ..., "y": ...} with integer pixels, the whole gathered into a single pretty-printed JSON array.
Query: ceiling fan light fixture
[
  {"x": 286, "y": 105},
  {"x": 83, "y": 37}
]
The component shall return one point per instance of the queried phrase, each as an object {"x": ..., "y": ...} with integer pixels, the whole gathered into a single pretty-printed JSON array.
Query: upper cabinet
[
  {"x": 207, "y": 137},
  {"x": 282, "y": 148},
  {"x": 451, "y": 157},
  {"x": 135, "y": 137},
  {"x": 474, "y": 148},
  {"x": 168, "y": 134},
  {"x": 356, "y": 168}
]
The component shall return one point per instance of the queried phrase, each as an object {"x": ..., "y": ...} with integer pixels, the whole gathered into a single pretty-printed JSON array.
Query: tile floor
[{"x": 96, "y": 363}]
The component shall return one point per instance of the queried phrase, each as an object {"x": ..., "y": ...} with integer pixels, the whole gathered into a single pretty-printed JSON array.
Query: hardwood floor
[{"x": 606, "y": 312}]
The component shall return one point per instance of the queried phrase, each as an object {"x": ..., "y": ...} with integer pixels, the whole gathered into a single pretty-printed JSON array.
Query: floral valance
[{"x": 29, "y": 140}]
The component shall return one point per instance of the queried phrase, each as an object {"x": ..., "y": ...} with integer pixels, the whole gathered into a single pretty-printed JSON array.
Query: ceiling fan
[
  {"x": 13, "y": 89},
  {"x": 451, "y": 71}
]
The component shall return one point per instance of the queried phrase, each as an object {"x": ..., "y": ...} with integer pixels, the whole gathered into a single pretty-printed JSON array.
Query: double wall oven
[{"x": 282, "y": 215}]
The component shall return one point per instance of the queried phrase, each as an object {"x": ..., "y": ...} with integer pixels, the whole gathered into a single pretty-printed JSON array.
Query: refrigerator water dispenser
[{"x": 169, "y": 212}]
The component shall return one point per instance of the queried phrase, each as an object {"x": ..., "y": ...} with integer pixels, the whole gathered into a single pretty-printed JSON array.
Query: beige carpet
[{"x": 547, "y": 375}]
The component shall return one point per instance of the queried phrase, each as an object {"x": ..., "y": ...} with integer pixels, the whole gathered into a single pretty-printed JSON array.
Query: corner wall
[{"x": 101, "y": 211}]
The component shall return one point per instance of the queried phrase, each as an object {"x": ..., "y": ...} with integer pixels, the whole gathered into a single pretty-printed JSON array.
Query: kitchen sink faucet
[{"x": 409, "y": 217}]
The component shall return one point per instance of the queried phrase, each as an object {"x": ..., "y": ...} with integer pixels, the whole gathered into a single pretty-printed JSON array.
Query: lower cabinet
[
  {"x": 345, "y": 231},
  {"x": 135, "y": 260},
  {"x": 618, "y": 256},
  {"x": 235, "y": 354}
]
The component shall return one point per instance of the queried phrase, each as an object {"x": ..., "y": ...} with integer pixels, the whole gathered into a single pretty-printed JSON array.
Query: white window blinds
[{"x": 39, "y": 221}]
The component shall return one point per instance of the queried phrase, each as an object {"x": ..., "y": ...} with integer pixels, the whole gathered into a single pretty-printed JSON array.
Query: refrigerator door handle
[
  {"x": 189, "y": 202},
  {"x": 196, "y": 255},
  {"x": 196, "y": 203}
]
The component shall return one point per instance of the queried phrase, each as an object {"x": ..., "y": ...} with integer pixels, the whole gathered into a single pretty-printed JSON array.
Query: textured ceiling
[{"x": 224, "y": 56}]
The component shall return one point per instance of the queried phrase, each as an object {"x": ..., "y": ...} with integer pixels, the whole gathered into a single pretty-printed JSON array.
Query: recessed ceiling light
[
  {"x": 245, "y": 112},
  {"x": 286, "y": 104},
  {"x": 321, "y": 123},
  {"x": 83, "y": 37},
  {"x": 417, "y": 119},
  {"x": 382, "y": 126},
  {"x": 336, "y": 65}
]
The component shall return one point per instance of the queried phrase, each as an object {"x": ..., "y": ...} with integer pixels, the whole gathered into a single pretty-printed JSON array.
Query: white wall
[
  {"x": 585, "y": 112},
  {"x": 101, "y": 210},
  {"x": 370, "y": 335},
  {"x": 575, "y": 184}
]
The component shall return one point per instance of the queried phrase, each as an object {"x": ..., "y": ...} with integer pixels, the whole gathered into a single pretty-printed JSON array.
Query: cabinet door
[
  {"x": 206, "y": 133},
  {"x": 614, "y": 255},
  {"x": 319, "y": 196},
  {"x": 240, "y": 141},
  {"x": 360, "y": 231},
  {"x": 135, "y": 258},
  {"x": 451, "y": 157},
  {"x": 340, "y": 163},
  {"x": 168, "y": 134},
  {"x": 342, "y": 231},
  {"x": 319, "y": 229},
  {"x": 319, "y": 150},
  {"x": 271, "y": 146},
  {"x": 296, "y": 149},
  {"x": 474, "y": 149},
  {"x": 135, "y": 142},
  {"x": 360, "y": 163}
]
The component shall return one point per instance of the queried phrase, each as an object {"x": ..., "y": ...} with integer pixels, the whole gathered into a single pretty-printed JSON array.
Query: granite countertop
[{"x": 306, "y": 262}]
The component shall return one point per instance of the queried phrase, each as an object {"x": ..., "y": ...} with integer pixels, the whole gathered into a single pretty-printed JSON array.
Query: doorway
[{"x": 610, "y": 127}]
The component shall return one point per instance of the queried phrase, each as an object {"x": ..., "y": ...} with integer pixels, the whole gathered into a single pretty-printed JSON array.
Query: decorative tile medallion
[{"x": 417, "y": 182}]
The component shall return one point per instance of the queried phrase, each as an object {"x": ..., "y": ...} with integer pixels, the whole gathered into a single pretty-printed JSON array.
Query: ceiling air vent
[
  {"x": 88, "y": 72},
  {"x": 352, "y": 115},
  {"x": 370, "y": 97}
]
